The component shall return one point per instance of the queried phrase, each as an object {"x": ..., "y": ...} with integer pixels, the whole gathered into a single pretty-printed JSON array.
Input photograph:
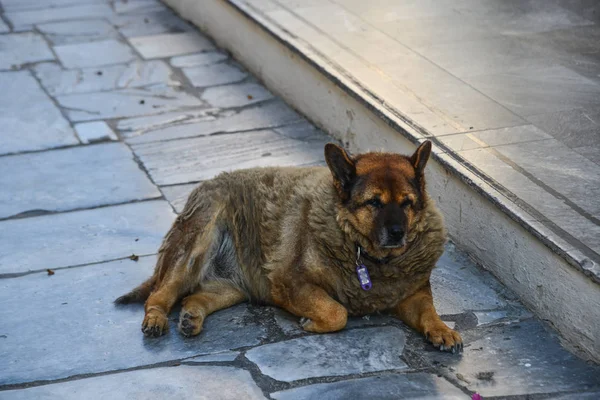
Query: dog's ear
[
  {"x": 419, "y": 159},
  {"x": 342, "y": 168}
]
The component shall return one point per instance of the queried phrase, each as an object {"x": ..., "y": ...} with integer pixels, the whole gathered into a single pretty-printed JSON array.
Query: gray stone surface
[
  {"x": 203, "y": 158},
  {"x": 183, "y": 382},
  {"x": 344, "y": 353},
  {"x": 29, "y": 119},
  {"x": 215, "y": 74},
  {"x": 170, "y": 44},
  {"x": 225, "y": 356},
  {"x": 24, "y": 19},
  {"x": 3, "y": 27},
  {"x": 302, "y": 130},
  {"x": 92, "y": 54},
  {"x": 386, "y": 387},
  {"x": 137, "y": 6},
  {"x": 82, "y": 237},
  {"x": 236, "y": 95},
  {"x": 193, "y": 60},
  {"x": 96, "y": 131},
  {"x": 125, "y": 103},
  {"x": 105, "y": 174},
  {"x": 263, "y": 116},
  {"x": 494, "y": 137},
  {"x": 80, "y": 31},
  {"x": 148, "y": 23},
  {"x": 58, "y": 81},
  {"x": 19, "y": 5},
  {"x": 177, "y": 195},
  {"x": 21, "y": 48},
  {"x": 575, "y": 128},
  {"x": 137, "y": 126},
  {"x": 516, "y": 359}
]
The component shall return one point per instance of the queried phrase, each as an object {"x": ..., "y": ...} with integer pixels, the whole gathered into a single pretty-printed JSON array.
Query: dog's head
[{"x": 381, "y": 194}]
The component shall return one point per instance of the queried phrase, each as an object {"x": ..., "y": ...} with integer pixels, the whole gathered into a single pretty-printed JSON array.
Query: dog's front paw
[
  {"x": 444, "y": 338},
  {"x": 155, "y": 323},
  {"x": 190, "y": 324}
]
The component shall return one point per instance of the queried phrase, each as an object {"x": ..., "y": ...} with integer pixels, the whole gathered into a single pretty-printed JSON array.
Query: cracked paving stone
[
  {"x": 182, "y": 382},
  {"x": 105, "y": 174},
  {"x": 226, "y": 356},
  {"x": 25, "y": 19},
  {"x": 99, "y": 336},
  {"x": 205, "y": 157},
  {"x": 215, "y": 74},
  {"x": 149, "y": 23},
  {"x": 96, "y": 131},
  {"x": 17, "y": 49},
  {"x": 193, "y": 60},
  {"x": 69, "y": 32},
  {"x": 387, "y": 387},
  {"x": 516, "y": 359},
  {"x": 82, "y": 237},
  {"x": 132, "y": 127},
  {"x": 347, "y": 352},
  {"x": 125, "y": 103},
  {"x": 236, "y": 95},
  {"x": 170, "y": 44},
  {"x": 263, "y": 116},
  {"x": 92, "y": 54},
  {"x": 58, "y": 81},
  {"x": 29, "y": 118},
  {"x": 137, "y": 6},
  {"x": 177, "y": 195}
]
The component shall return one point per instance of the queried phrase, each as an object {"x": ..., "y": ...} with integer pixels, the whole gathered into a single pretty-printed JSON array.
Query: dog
[{"x": 324, "y": 243}]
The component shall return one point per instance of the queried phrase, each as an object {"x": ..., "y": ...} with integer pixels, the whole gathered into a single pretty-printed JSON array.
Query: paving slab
[
  {"x": 58, "y": 81},
  {"x": 385, "y": 387},
  {"x": 215, "y": 74},
  {"x": 183, "y": 382},
  {"x": 239, "y": 95},
  {"x": 148, "y": 23},
  {"x": 102, "y": 336},
  {"x": 25, "y": 19},
  {"x": 137, "y": 126},
  {"x": 69, "y": 32},
  {"x": 192, "y": 60},
  {"x": 106, "y": 174},
  {"x": 270, "y": 115},
  {"x": 83, "y": 237},
  {"x": 125, "y": 102},
  {"x": 170, "y": 44},
  {"x": 96, "y": 131},
  {"x": 29, "y": 118},
  {"x": 17, "y": 49},
  {"x": 511, "y": 360},
  {"x": 20, "y": 5},
  {"x": 574, "y": 128},
  {"x": 3, "y": 27},
  {"x": 225, "y": 356},
  {"x": 93, "y": 54},
  {"x": 205, "y": 157},
  {"x": 177, "y": 195},
  {"x": 344, "y": 353},
  {"x": 137, "y": 6}
]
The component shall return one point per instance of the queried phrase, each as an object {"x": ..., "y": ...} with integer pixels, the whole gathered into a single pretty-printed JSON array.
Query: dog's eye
[
  {"x": 375, "y": 202},
  {"x": 406, "y": 203}
]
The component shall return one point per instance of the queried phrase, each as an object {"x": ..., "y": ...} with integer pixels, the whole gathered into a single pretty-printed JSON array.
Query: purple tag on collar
[{"x": 363, "y": 277}]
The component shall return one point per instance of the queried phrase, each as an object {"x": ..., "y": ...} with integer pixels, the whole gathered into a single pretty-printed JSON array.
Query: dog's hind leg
[{"x": 211, "y": 297}]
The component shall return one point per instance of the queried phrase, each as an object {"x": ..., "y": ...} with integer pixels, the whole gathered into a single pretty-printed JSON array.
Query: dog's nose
[{"x": 396, "y": 232}]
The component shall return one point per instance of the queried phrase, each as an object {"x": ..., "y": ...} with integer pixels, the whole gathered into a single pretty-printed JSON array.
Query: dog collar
[{"x": 362, "y": 272}]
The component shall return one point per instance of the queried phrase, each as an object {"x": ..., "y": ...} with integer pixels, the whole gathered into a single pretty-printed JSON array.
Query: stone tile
[
  {"x": 125, "y": 103},
  {"x": 303, "y": 130},
  {"x": 533, "y": 91},
  {"x": 133, "y": 127},
  {"x": 269, "y": 115},
  {"x": 509, "y": 360},
  {"x": 215, "y": 74},
  {"x": 226, "y": 356},
  {"x": 24, "y": 20},
  {"x": 494, "y": 137},
  {"x": 194, "y": 60},
  {"x": 81, "y": 31},
  {"x": 29, "y": 119},
  {"x": 96, "y": 131},
  {"x": 149, "y": 23},
  {"x": 580, "y": 396},
  {"x": 172, "y": 44},
  {"x": 82, "y": 237},
  {"x": 137, "y": 6},
  {"x": 236, "y": 95},
  {"x": 105, "y": 174},
  {"x": 20, "y": 5},
  {"x": 203, "y": 158},
  {"x": 93, "y": 54},
  {"x": 99, "y": 335},
  {"x": 458, "y": 286},
  {"x": 3, "y": 27},
  {"x": 58, "y": 81},
  {"x": 344, "y": 353},
  {"x": 177, "y": 195},
  {"x": 183, "y": 382},
  {"x": 385, "y": 387},
  {"x": 592, "y": 153},
  {"x": 17, "y": 49},
  {"x": 574, "y": 128}
]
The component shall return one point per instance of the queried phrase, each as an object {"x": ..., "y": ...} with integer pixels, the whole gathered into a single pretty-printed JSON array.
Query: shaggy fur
[{"x": 289, "y": 237}]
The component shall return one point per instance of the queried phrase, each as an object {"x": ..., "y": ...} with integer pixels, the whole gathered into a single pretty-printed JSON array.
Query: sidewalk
[{"x": 111, "y": 111}]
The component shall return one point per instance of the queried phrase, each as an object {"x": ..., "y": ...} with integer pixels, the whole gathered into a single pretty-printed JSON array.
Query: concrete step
[{"x": 552, "y": 271}]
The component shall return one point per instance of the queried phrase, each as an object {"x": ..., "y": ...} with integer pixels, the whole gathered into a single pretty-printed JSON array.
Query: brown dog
[{"x": 359, "y": 237}]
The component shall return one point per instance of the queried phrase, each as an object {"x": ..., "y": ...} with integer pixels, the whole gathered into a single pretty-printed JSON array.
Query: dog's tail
[{"x": 139, "y": 294}]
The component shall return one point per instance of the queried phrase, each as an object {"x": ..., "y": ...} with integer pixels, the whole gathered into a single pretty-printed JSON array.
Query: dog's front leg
[
  {"x": 418, "y": 312},
  {"x": 306, "y": 300}
]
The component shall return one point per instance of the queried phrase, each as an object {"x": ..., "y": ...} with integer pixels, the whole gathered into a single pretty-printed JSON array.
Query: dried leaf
[
  {"x": 50, "y": 272},
  {"x": 134, "y": 257}
]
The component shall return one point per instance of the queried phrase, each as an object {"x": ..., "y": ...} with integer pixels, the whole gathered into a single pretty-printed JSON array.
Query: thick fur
[{"x": 289, "y": 237}]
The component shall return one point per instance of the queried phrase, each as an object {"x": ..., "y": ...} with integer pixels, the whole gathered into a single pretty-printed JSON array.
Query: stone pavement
[{"x": 110, "y": 112}]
